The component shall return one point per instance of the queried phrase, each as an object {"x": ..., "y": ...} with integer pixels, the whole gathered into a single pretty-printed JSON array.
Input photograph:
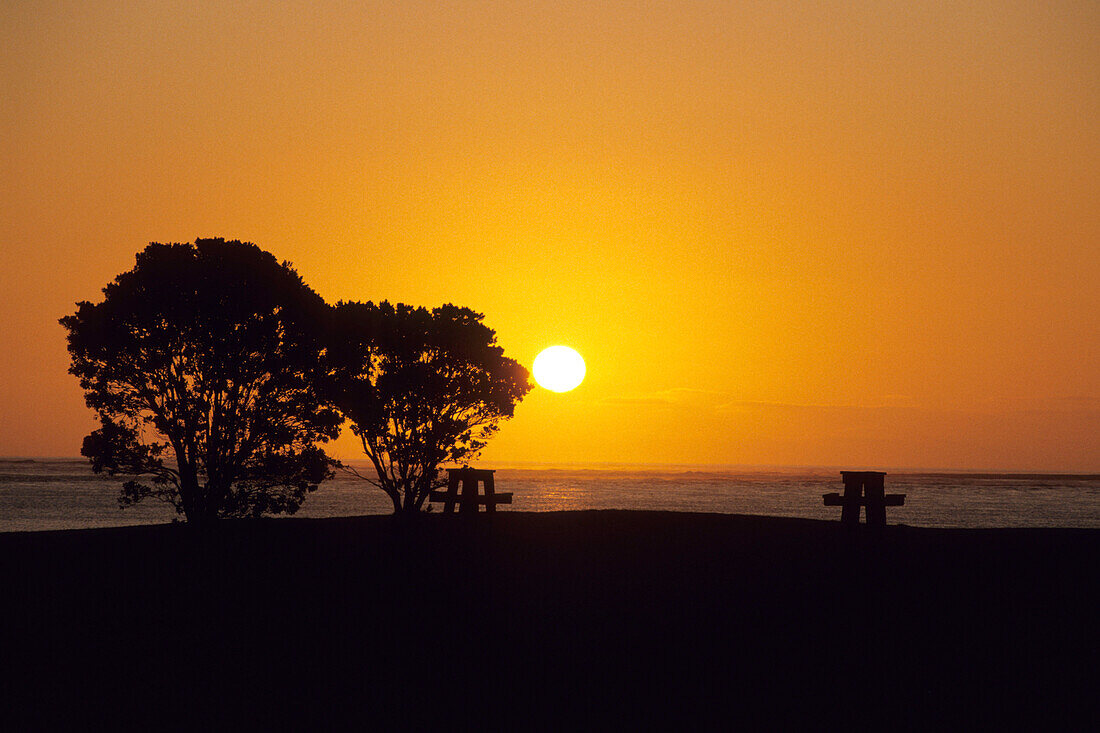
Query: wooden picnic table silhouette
[
  {"x": 468, "y": 500},
  {"x": 867, "y": 489}
]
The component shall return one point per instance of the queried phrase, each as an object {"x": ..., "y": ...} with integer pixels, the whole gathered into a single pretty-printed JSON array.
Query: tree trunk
[
  {"x": 407, "y": 506},
  {"x": 189, "y": 494},
  {"x": 423, "y": 489},
  {"x": 396, "y": 499}
]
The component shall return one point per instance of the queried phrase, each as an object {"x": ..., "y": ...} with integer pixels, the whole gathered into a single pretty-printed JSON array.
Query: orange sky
[{"x": 861, "y": 234}]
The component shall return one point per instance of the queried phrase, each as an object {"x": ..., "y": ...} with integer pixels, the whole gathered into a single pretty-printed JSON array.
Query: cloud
[
  {"x": 634, "y": 401},
  {"x": 677, "y": 397},
  {"x": 726, "y": 403},
  {"x": 722, "y": 401}
]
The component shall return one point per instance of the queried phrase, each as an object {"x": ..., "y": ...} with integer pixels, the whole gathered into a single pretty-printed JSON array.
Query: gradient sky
[{"x": 859, "y": 234}]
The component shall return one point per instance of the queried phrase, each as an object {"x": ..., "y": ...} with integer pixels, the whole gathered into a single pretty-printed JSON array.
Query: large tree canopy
[
  {"x": 203, "y": 365},
  {"x": 421, "y": 388}
]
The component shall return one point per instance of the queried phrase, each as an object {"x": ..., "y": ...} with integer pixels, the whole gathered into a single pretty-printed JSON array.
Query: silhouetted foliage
[
  {"x": 421, "y": 388},
  {"x": 207, "y": 354}
]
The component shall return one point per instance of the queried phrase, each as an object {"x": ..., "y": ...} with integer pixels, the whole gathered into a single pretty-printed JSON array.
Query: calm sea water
[{"x": 65, "y": 494}]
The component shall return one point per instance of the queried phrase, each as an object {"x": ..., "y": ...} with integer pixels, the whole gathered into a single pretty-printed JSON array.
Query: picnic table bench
[{"x": 468, "y": 500}]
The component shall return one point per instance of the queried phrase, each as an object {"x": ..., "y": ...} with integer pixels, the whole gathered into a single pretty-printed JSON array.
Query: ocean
[{"x": 47, "y": 494}]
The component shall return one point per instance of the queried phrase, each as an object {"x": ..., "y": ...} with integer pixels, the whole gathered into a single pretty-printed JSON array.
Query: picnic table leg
[
  {"x": 490, "y": 492},
  {"x": 853, "y": 491},
  {"x": 452, "y": 493},
  {"x": 468, "y": 503},
  {"x": 875, "y": 493}
]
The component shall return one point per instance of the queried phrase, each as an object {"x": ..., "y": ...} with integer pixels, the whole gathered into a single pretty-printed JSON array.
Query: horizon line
[{"x": 640, "y": 466}]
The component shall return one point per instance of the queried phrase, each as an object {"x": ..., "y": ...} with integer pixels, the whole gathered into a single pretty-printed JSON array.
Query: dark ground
[{"x": 603, "y": 619}]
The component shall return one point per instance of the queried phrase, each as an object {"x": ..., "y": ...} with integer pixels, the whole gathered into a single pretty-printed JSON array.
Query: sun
[{"x": 559, "y": 369}]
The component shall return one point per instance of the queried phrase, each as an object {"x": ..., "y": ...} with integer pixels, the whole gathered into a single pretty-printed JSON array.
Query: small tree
[
  {"x": 421, "y": 388},
  {"x": 207, "y": 354}
]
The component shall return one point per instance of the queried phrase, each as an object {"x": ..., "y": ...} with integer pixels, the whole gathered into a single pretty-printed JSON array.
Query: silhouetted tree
[
  {"x": 207, "y": 354},
  {"x": 421, "y": 388}
]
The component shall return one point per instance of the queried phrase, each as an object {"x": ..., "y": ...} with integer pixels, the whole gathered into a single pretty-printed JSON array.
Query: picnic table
[
  {"x": 866, "y": 489},
  {"x": 469, "y": 499}
]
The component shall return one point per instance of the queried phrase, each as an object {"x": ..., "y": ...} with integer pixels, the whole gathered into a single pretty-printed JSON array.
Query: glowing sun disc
[{"x": 558, "y": 369}]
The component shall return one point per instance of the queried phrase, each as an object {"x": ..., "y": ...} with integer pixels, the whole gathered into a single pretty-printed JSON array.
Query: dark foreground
[{"x": 532, "y": 620}]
